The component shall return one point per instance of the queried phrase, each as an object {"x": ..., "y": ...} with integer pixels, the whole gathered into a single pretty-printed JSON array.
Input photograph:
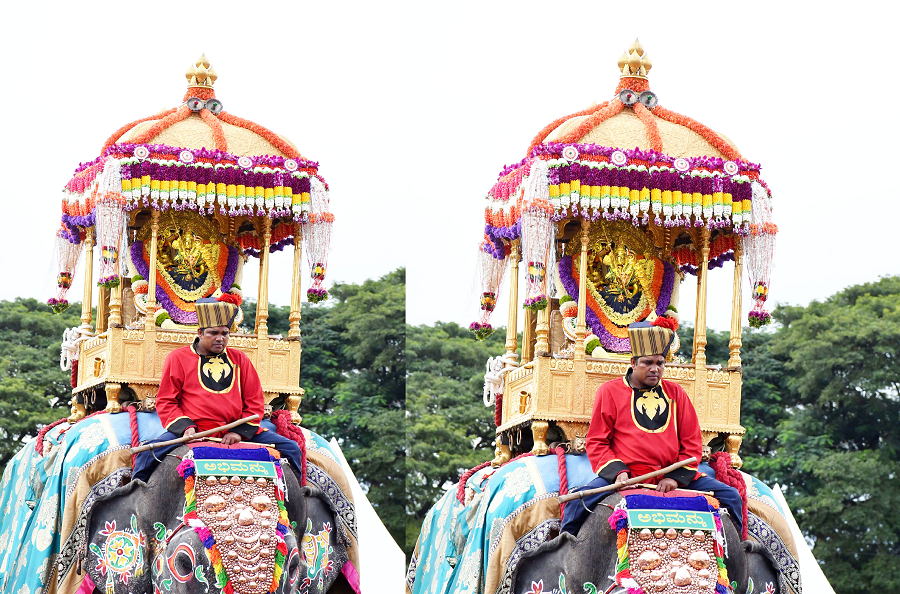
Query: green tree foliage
[
  {"x": 353, "y": 369},
  {"x": 369, "y": 398},
  {"x": 838, "y": 445},
  {"x": 33, "y": 389},
  {"x": 449, "y": 430}
]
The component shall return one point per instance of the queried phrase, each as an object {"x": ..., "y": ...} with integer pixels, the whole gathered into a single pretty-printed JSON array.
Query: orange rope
[
  {"x": 218, "y": 134},
  {"x": 652, "y": 129},
  {"x": 589, "y": 123},
  {"x": 179, "y": 114},
  {"x": 707, "y": 133},
  {"x": 546, "y": 130},
  {"x": 118, "y": 133},
  {"x": 273, "y": 138}
]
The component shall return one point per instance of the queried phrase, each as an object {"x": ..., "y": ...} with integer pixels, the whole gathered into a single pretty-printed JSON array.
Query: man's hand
[
  {"x": 666, "y": 485},
  {"x": 621, "y": 478},
  {"x": 190, "y": 431},
  {"x": 233, "y": 438}
]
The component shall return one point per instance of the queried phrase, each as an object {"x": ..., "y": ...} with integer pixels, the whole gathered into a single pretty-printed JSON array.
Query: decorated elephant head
[
  {"x": 588, "y": 562},
  {"x": 205, "y": 533}
]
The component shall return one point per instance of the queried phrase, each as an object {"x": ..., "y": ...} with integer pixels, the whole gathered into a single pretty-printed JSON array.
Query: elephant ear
[{"x": 117, "y": 554}]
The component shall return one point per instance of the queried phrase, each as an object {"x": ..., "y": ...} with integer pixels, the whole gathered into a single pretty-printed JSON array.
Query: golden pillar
[
  {"x": 150, "y": 320},
  {"x": 512, "y": 323},
  {"x": 262, "y": 306},
  {"x": 700, "y": 328},
  {"x": 115, "y": 305},
  {"x": 102, "y": 309},
  {"x": 581, "y": 323},
  {"x": 88, "y": 283},
  {"x": 294, "y": 316},
  {"x": 734, "y": 344}
]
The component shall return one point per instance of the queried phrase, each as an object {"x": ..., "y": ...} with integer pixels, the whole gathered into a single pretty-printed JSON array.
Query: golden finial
[
  {"x": 634, "y": 62},
  {"x": 201, "y": 74},
  {"x": 636, "y": 47}
]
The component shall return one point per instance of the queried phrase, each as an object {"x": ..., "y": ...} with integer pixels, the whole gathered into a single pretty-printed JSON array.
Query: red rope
[
  {"x": 498, "y": 409},
  {"x": 74, "y": 378},
  {"x": 135, "y": 435},
  {"x": 563, "y": 476},
  {"x": 461, "y": 487},
  {"x": 282, "y": 421},
  {"x": 721, "y": 463},
  {"x": 39, "y": 446}
]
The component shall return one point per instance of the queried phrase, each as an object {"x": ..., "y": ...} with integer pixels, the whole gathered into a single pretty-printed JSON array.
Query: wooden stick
[
  {"x": 195, "y": 436},
  {"x": 628, "y": 483},
  {"x": 682, "y": 489}
]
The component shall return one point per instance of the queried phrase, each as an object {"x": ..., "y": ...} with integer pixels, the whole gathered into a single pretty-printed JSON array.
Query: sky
[{"x": 413, "y": 108}]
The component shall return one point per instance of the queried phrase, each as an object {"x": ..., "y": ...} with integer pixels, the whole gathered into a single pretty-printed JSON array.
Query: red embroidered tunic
[
  {"x": 209, "y": 391},
  {"x": 639, "y": 431}
]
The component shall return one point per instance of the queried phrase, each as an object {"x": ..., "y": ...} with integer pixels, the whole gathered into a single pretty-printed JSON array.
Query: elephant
[
  {"x": 498, "y": 532},
  {"x": 138, "y": 540},
  {"x": 586, "y": 563}
]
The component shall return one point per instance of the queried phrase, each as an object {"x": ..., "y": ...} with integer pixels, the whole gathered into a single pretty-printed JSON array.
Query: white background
[{"x": 413, "y": 108}]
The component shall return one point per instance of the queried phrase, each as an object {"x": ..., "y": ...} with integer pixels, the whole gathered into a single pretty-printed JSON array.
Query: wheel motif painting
[{"x": 122, "y": 555}]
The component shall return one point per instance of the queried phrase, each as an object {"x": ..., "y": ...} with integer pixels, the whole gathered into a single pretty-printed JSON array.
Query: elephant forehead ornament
[
  {"x": 669, "y": 559},
  {"x": 242, "y": 514},
  {"x": 669, "y": 547}
]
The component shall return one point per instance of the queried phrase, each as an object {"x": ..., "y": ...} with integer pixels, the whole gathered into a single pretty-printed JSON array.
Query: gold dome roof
[
  {"x": 617, "y": 124},
  {"x": 200, "y": 127}
]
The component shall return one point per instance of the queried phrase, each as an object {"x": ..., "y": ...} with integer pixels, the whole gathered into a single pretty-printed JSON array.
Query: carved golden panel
[
  {"x": 560, "y": 388},
  {"x": 278, "y": 365},
  {"x": 718, "y": 399},
  {"x": 133, "y": 360}
]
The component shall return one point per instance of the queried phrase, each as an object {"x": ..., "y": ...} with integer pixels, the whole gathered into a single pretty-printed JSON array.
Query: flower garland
[
  {"x": 616, "y": 184},
  {"x": 282, "y": 236},
  {"x": 317, "y": 237},
  {"x": 707, "y": 133},
  {"x": 166, "y": 177},
  {"x": 66, "y": 257},
  {"x": 721, "y": 250},
  {"x": 759, "y": 250},
  {"x": 187, "y": 470},
  {"x": 490, "y": 273}
]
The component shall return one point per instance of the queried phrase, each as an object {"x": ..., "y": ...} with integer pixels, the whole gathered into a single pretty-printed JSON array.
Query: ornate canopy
[
  {"x": 191, "y": 162},
  {"x": 627, "y": 161}
]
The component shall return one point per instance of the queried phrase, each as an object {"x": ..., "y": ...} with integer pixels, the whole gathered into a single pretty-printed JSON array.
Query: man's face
[
  {"x": 648, "y": 370},
  {"x": 213, "y": 340}
]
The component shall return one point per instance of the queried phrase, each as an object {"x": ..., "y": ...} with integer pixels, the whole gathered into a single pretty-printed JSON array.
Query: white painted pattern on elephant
[
  {"x": 46, "y": 523},
  {"x": 24, "y": 589}
]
